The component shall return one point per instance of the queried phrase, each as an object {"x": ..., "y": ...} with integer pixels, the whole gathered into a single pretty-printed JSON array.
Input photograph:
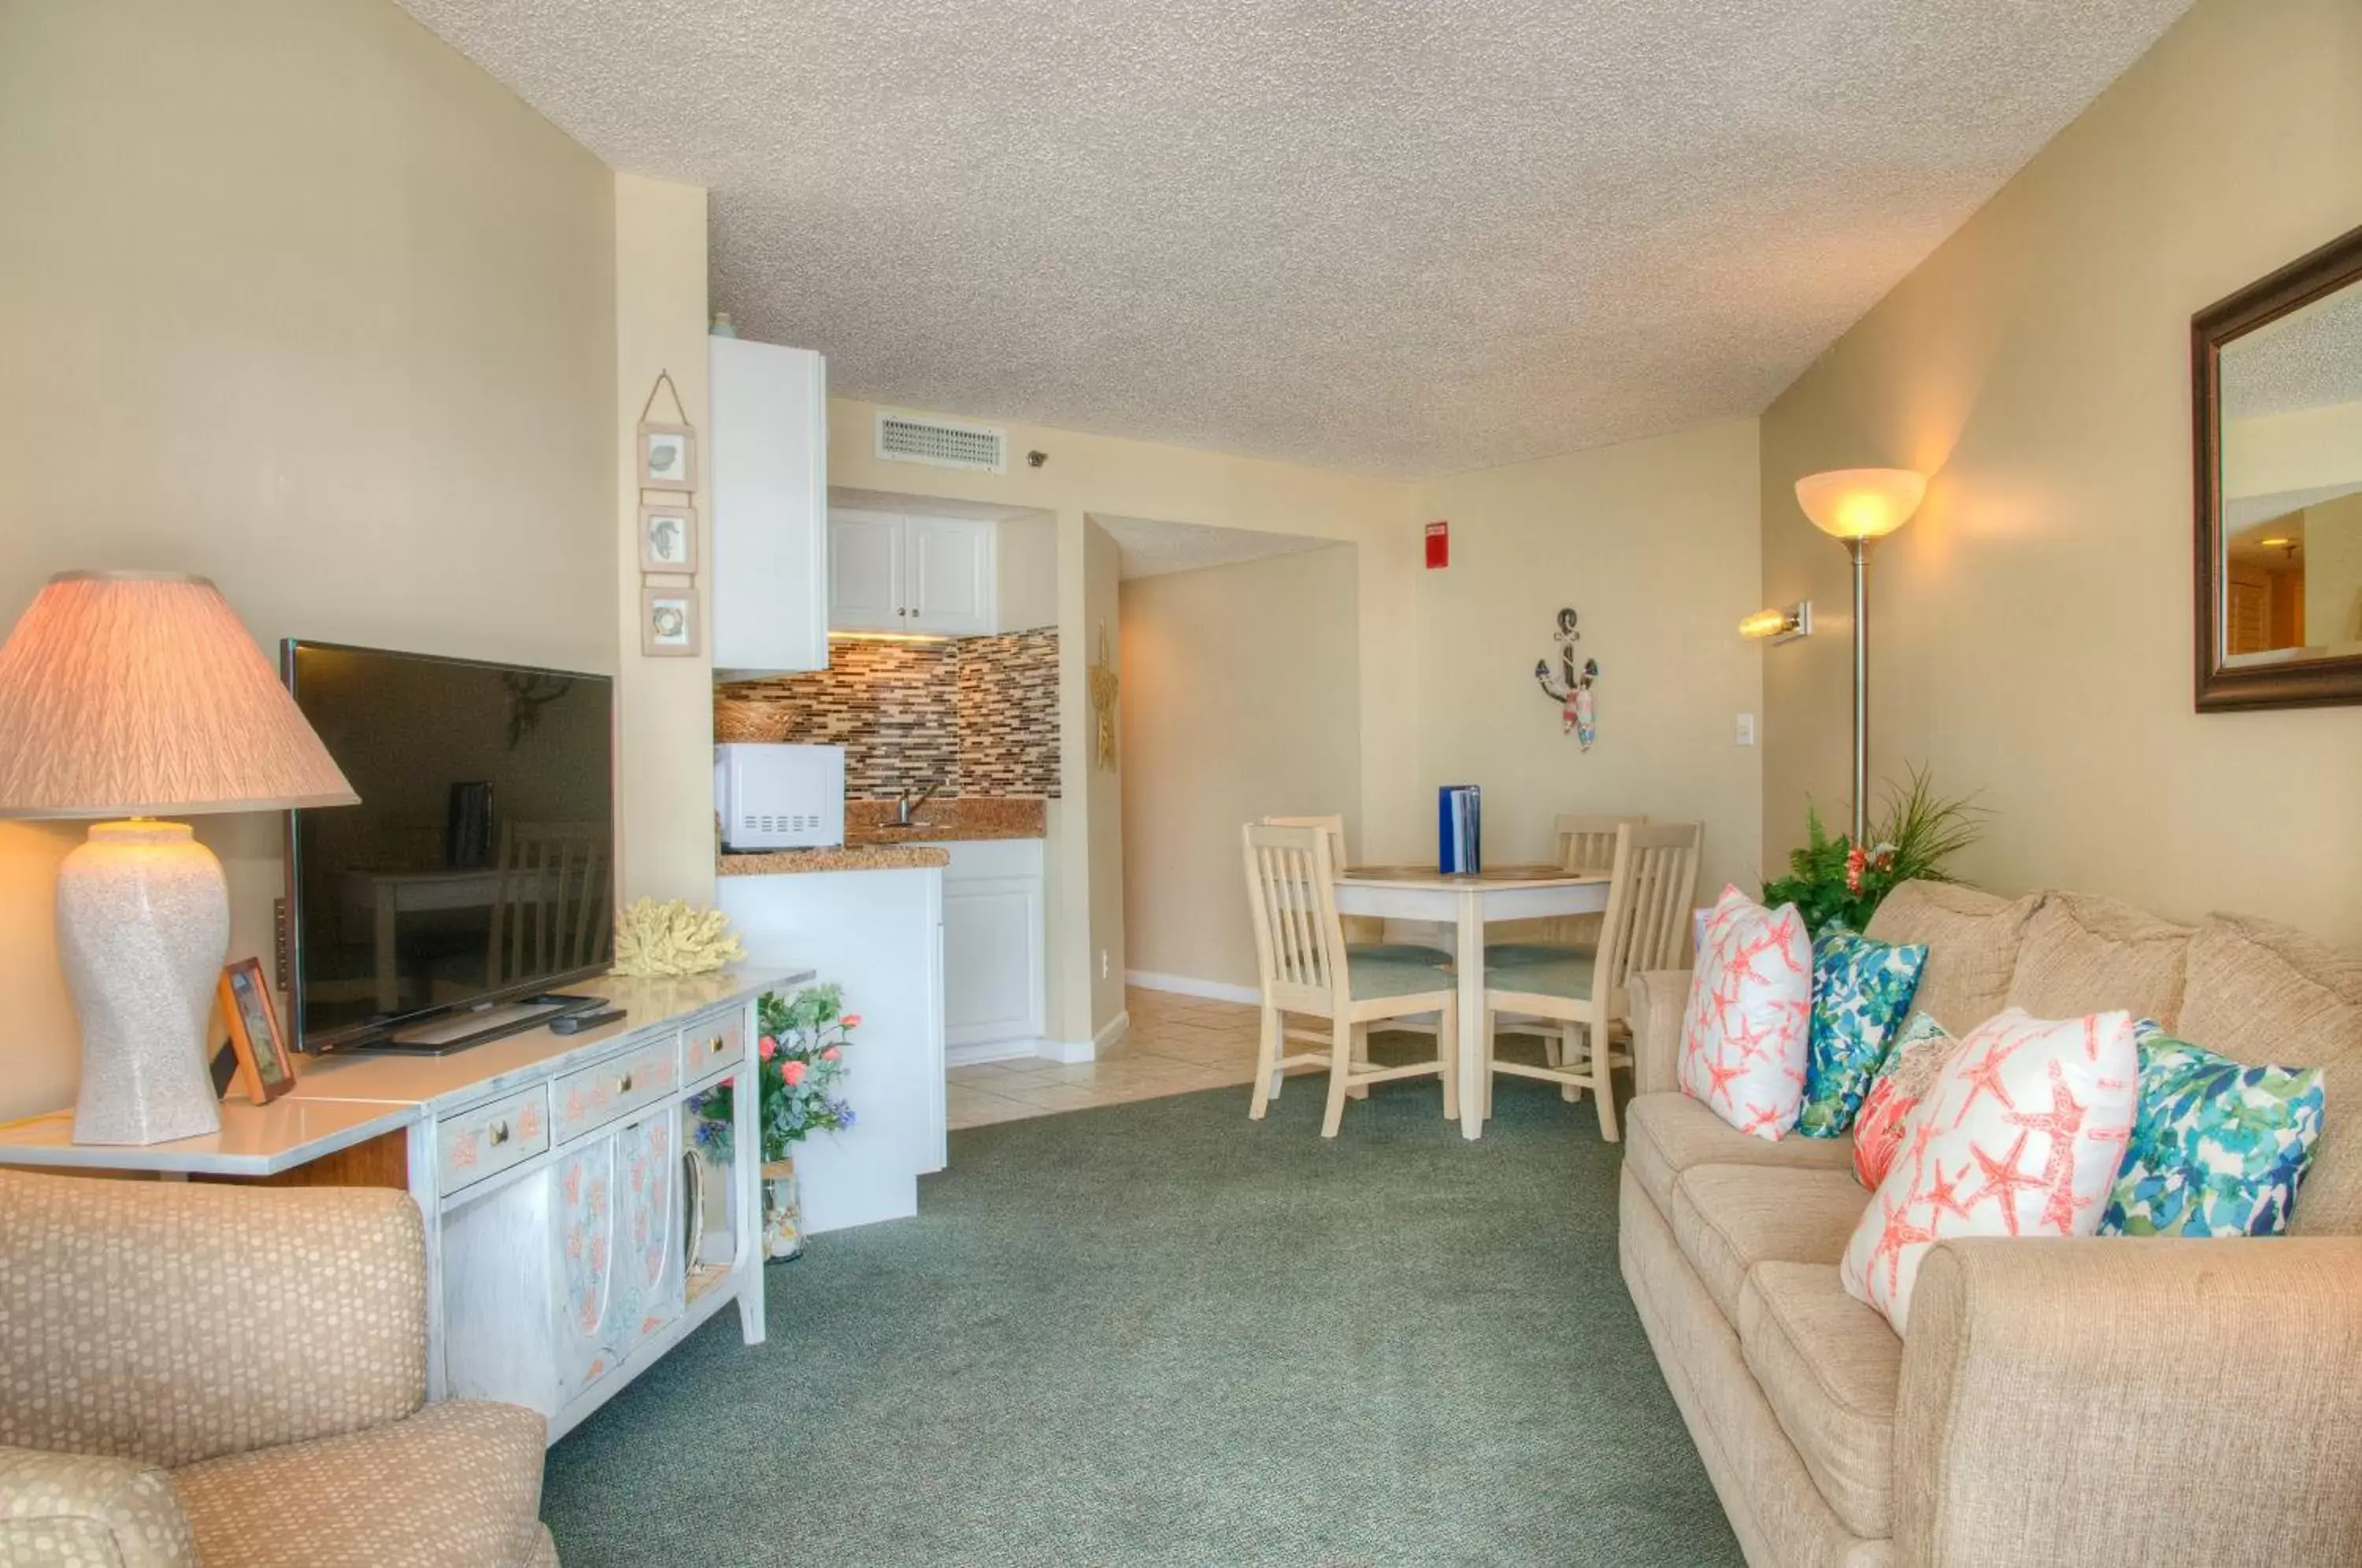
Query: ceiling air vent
[{"x": 942, "y": 443}]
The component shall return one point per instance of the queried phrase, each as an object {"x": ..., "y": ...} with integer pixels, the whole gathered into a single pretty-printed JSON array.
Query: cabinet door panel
[
  {"x": 584, "y": 1236},
  {"x": 992, "y": 961},
  {"x": 647, "y": 1250},
  {"x": 768, "y": 465},
  {"x": 950, "y": 575},
  {"x": 865, "y": 572}
]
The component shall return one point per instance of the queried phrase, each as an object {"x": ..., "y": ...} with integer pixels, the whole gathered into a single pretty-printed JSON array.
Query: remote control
[{"x": 576, "y": 1022}]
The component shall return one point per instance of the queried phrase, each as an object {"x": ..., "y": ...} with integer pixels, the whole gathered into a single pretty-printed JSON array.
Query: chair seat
[
  {"x": 1568, "y": 976},
  {"x": 458, "y": 1482},
  {"x": 1505, "y": 955},
  {"x": 1369, "y": 979},
  {"x": 1400, "y": 953}
]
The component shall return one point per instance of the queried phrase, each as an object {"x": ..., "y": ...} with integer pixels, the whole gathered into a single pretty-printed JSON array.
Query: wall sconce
[{"x": 1782, "y": 626}]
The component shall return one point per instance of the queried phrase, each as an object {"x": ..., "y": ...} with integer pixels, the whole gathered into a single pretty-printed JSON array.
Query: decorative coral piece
[{"x": 674, "y": 937}]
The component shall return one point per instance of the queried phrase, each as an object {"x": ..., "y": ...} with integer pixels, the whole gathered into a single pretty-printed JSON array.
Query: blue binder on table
[{"x": 1459, "y": 829}]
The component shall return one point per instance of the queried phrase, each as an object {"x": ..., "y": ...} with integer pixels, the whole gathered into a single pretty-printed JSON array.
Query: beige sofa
[
  {"x": 2094, "y": 1402},
  {"x": 238, "y": 1378}
]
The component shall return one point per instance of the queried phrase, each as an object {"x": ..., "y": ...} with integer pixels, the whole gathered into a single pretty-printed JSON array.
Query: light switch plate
[{"x": 1747, "y": 729}]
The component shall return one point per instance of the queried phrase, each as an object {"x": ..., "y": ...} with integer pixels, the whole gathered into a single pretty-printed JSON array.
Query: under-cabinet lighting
[{"x": 888, "y": 638}]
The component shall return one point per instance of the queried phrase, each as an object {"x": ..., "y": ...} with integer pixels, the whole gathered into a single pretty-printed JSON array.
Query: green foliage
[
  {"x": 800, "y": 1058},
  {"x": 1837, "y": 885}
]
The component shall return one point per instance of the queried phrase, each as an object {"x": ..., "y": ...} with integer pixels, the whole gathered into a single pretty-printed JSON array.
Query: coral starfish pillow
[
  {"x": 1744, "y": 1033},
  {"x": 2020, "y": 1135}
]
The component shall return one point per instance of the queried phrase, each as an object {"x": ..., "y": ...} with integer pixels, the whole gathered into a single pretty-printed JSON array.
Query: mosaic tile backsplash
[{"x": 979, "y": 715}]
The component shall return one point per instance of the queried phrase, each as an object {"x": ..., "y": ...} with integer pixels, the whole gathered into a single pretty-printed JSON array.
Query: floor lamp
[{"x": 1857, "y": 505}]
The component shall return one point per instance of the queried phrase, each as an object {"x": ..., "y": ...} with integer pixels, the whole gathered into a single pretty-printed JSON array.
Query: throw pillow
[
  {"x": 1903, "y": 1080},
  {"x": 2021, "y": 1136},
  {"x": 1748, "y": 1023},
  {"x": 1860, "y": 991},
  {"x": 2217, "y": 1149}
]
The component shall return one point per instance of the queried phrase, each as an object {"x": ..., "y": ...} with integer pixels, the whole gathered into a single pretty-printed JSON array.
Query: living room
[{"x": 359, "y": 310}]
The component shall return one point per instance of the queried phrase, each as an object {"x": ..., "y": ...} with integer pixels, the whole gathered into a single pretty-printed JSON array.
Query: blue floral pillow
[
  {"x": 2217, "y": 1149},
  {"x": 1861, "y": 991}
]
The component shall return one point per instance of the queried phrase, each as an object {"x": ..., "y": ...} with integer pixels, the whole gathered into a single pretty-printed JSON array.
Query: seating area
[{"x": 1224, "y": 785}]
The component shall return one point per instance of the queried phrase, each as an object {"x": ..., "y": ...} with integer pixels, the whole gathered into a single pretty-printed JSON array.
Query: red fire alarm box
[{"x": 1438, "y": 545}]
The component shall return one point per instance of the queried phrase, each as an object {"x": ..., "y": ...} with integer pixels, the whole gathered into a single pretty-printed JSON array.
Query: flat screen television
[{"x": 476, "y": 871}]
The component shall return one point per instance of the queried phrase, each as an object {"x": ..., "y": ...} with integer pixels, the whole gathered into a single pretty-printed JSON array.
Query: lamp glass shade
[
  {"x": 1861, "y": 503},
  {"x": 142, "y": 694}
]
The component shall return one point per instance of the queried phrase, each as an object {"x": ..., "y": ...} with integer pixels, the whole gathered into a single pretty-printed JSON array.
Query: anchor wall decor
[{"x": 1572, "y": 692}]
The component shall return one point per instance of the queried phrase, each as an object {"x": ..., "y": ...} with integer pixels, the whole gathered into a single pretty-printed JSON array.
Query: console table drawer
[
  {"x": 711, "y": 1045},
  {"x": 480, "y": 1143},
  {"x": 594, "y": 1096}
]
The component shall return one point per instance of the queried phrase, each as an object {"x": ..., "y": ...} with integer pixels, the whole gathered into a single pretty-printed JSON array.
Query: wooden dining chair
[
  {"x": 1653, "y": 880},
  {"x": 1305, "y": 967},
  {"x": 1584, "y": 844},
  {"x": 1366, "y": 934},
  {"x": 552, "y": 907}
]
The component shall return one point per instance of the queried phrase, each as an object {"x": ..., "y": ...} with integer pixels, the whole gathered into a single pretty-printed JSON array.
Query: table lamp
[
  {"x": 1858, "y": 505},
  {"x": 132, "y": 695}
]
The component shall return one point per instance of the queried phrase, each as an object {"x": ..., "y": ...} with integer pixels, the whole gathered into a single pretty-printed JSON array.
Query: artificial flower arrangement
[
  {"x": 1838, "y": 884},
  {"x": 802, "y": 1051}
]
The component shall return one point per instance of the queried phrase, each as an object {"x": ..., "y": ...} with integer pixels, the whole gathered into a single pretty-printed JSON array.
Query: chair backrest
[
  {"x": 1651, "y": 885},
  {"x": 1299, "y": 942},
  {"x": 1335, "y": 826},
  {"x": 1588, "y": 843},
  {"x": 551, "y": 910}
]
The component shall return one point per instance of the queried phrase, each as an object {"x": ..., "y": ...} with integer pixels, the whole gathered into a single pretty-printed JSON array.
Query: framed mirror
[{"x": 2276, "y": 374}]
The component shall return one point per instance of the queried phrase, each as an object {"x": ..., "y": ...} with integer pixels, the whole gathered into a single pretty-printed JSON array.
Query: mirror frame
[{"x": 2313, "y": 683}]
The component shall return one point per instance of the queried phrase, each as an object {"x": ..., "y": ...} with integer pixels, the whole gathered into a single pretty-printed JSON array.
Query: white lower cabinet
[{"x": 995, "y": 993}]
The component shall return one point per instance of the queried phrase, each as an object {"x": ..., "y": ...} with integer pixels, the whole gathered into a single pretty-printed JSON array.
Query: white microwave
[{"x": 779, "y": 797}]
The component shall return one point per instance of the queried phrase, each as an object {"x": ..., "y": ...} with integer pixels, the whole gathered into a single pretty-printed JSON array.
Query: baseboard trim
[
  {"x": 1073, "y": 1051},
  {"x": 1182, "y": 985},
  {"x": 984, "y": 1051}
]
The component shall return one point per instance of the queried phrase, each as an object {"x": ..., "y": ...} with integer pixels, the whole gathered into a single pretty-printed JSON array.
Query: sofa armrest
[
  {"x": 174, "y": 1321},
  {"x": 2114, "y": 1401},
  {"x": 1659, "y": 998},
  {"x": 87, "y": 1508}
]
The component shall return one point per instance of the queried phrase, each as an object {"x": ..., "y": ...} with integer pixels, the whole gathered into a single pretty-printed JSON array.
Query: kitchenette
[{"x": 887, "y": 762}]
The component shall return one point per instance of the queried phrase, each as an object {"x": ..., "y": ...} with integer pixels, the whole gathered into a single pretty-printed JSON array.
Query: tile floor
[{"x": 1176, "y": 1044}]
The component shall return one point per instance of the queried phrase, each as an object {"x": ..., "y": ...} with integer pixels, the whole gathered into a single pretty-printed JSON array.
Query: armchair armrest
[
  {"x": 86, "y": 1508},
  {"x": 172, "y": 1321},
  {"x": 1659, "y": 998},
  {"x": 2110, "y": 1402}
]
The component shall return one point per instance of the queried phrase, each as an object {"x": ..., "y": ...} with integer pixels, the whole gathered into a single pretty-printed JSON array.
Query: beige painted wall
[
  {"x": 1099, "y": 788},
  {"x": 1655, "y": 545},
  {"x": 340, "y": 337},
  {"x": 1027, "y": 550},
  {"x": 1242, "y": 700},
  {"x": 2031, "y": 628},
  {"x": 664, "y": 707}
]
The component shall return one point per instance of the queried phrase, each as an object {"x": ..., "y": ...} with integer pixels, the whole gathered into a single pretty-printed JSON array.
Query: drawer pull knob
[
  {"x": 500, "y": 1133},
  {"x": 623, "y": 1084}
]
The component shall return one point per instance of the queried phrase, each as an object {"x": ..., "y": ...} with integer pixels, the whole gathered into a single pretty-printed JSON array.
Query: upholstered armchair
[{"x": 237, "y": 1377}]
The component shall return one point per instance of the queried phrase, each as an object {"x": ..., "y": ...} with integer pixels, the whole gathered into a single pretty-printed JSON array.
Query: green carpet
[{"x": 1162, "y": 1334}]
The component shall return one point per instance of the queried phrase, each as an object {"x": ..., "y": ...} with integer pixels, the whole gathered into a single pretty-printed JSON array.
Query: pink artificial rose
[
  {"x": 830, "y": 1055},
  {"x": 770, "y": 1047},
  {"x": 1856, "y": 862},
  {"x": 792, "y": 1071},
  {"x": 729, "y": 1082},
  {"x": 851, "y": 1020}
]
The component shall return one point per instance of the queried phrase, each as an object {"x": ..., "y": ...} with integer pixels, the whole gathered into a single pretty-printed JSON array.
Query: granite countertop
[
  {"x": 851, "y": 858},
  {"x": 955, "y": 818}
]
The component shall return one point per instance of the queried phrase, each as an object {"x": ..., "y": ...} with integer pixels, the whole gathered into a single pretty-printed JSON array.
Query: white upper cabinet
[
  {"x": 893, "y": 573},
  {"x": 768, "y": 469}
]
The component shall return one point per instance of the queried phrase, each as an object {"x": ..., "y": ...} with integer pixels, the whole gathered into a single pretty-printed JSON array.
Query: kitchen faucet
[{"x": 908, "y": 803}]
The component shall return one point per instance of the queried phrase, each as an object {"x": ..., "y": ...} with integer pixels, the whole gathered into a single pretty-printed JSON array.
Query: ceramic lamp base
[{"x": 143, "y": 926}]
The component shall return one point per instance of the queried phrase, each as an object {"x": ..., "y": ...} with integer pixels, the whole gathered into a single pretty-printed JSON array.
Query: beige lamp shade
[
  {"x": 142, "y": 695},
  {"x": 1861, "y": 503}
]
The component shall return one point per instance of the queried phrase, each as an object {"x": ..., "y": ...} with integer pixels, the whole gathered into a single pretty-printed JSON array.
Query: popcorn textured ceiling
[{"x": 1401, "y": 238}]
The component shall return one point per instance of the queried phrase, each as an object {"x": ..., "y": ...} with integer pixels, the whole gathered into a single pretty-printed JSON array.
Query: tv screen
[{"x": 479, "y": 864}]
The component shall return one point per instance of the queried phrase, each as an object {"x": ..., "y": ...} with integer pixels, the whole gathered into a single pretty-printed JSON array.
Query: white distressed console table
[{"x": 553, "y": 1172}]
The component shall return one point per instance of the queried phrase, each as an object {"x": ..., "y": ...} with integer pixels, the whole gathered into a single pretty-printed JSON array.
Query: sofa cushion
[
  {"x": 1830, "y": 1368},
  {"x": 456, "y": 1483},
  {"x": 1667, "y": 1133},
  {"x": 1728, "y": 1219},
  {"x": 2082, "y": 955},
  {"x": 1971, "y": 939},
  {"x": 2218, "y": 1148},
  {"x": 2258, "y": 992},
  {"x": 85, "y": 1510}
]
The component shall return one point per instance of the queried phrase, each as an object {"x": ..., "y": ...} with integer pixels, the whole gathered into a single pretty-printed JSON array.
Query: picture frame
[
  {"x": 668, "y": 626},
  {"x": 266, "y": 1068},
  {"x": 668, "y": 457},
  {"x": 668, "y": 537}
]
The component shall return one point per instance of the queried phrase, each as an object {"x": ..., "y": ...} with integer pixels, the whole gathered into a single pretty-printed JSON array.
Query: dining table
[{"x": 1469, "y": 901}]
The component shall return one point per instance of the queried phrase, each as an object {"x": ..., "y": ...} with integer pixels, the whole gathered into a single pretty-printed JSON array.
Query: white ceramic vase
[{"x": 143, "y": 926}]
